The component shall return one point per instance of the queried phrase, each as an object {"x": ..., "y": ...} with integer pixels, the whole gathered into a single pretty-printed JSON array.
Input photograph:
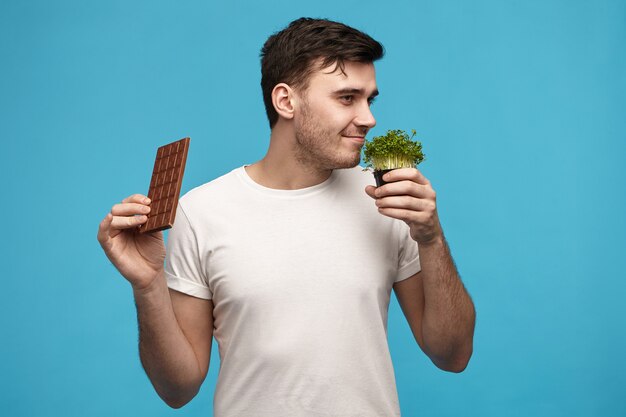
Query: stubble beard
[{"x": 319, "y": 148}]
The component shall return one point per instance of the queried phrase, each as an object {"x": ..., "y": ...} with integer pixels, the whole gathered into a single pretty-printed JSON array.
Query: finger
[
  {"x": 402, "y": 214},
  {"x": 411, "y": 174},
  {"x": 137, "y": 198},
  {"x": 127, "y": 222},
  {"x": 405, "y": 187},
  {"x": 371, "y": 190},
  {"x": 129, "y": 209},
  {"x": 406, "y": 202},
  {"x": 103, "y": 228}
]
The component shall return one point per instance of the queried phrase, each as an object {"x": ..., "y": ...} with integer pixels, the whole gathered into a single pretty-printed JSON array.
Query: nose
[{"x": 365, "y": 118}]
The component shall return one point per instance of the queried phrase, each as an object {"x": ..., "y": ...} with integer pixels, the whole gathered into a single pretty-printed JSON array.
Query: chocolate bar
[{"x": 167, "y": 178}]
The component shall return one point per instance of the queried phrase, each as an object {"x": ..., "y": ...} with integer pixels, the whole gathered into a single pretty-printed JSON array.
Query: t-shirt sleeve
[
  {"x": 183, "y": 266},
  {"x": 408, "y": 254}
]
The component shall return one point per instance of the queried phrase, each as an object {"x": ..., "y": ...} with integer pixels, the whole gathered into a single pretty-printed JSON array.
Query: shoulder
[{"x": 209, "y": 192}]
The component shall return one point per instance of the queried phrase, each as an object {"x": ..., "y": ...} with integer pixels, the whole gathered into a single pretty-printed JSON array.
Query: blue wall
[{"x": 520, "y": 106}]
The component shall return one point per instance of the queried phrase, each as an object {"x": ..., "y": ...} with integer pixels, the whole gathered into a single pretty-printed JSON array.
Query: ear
[{"x": 284, "y": 100}]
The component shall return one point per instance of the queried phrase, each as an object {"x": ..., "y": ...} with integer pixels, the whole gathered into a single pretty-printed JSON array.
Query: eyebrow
[{"x": 359, "y": 91}]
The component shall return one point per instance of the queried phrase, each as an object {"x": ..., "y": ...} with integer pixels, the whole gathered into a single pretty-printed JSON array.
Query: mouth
[{"x": 358, "y": 139}]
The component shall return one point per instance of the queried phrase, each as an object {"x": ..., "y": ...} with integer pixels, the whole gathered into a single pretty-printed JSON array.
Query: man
[{"x": 289, "y": 262}]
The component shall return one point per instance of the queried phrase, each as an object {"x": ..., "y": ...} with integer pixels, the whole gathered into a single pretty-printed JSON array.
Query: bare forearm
[
  {"x": 166, "y": 355},
  {"x": 449, "y": 316}
]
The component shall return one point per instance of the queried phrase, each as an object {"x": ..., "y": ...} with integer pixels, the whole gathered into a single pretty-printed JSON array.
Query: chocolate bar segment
[{"x": 167, "y": 178}]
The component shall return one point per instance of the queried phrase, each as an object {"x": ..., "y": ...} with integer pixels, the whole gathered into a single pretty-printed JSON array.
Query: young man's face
[{"x": 334, "y": 116}]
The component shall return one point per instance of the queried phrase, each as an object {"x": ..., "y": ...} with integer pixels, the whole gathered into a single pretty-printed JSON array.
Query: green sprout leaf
[{"x": 393, "y": 150}]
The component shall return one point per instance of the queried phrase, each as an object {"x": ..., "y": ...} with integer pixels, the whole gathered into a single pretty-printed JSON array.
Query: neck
[{"x": 281, "y": 169}]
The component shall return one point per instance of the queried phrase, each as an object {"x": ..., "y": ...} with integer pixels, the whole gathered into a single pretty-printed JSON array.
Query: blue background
[{"x": 520, "y": 106}]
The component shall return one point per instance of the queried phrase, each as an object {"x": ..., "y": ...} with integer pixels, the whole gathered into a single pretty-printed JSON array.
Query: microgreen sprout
[{"x": 393, "y": 150}]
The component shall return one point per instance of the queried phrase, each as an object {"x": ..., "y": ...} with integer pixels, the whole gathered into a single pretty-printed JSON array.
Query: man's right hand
[{"x": 139, "y": 257}]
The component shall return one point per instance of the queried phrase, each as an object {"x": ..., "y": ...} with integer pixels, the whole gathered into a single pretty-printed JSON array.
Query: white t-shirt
[{"x": 301, "y": 282}]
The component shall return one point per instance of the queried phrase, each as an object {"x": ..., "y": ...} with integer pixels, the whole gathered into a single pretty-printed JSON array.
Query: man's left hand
[{"x": 408, "y": 196}]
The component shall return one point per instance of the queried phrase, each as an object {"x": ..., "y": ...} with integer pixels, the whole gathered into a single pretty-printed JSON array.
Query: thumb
[{"x": 369, "y": 190}]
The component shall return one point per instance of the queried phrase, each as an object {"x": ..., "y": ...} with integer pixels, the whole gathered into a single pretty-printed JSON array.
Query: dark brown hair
[{"x": 288, "y": 56}]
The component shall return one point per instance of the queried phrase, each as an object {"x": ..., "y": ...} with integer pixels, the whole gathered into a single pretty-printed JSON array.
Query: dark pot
[{"x": 378, "y": 175}]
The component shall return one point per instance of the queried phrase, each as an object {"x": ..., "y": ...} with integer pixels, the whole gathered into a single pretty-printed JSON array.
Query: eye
[
  {"x": 347, "y": 99},
  {"x": 371, "y": 101}
]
